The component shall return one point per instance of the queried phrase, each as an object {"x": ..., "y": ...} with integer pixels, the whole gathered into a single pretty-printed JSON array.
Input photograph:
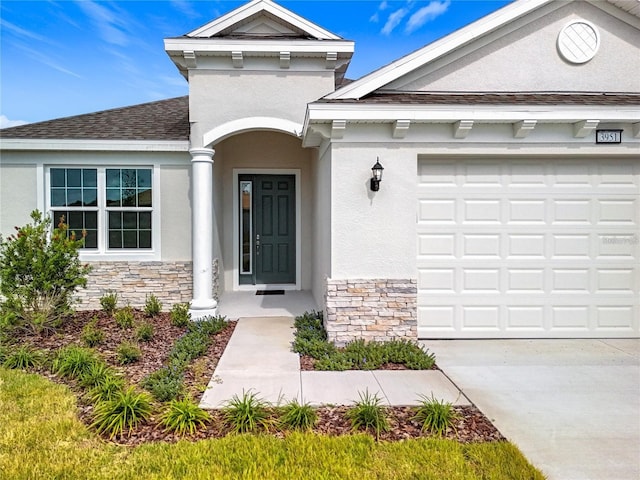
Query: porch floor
[{"x": 235, "y": 305}]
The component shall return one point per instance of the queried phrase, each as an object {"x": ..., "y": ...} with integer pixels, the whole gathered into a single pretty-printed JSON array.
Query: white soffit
[
  {"x": 245, "y": 12},
  {"x": 630, "y": 6}
]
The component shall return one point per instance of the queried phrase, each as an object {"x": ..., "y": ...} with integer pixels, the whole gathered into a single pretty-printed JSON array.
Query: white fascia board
[
  {"x": 482, "y": 113},
  {"x": 407, "y": 64},
  {"x": 257, "y": 6},
  {"x": 218, "y": 45},
  {"x": 95, "y": 145}
]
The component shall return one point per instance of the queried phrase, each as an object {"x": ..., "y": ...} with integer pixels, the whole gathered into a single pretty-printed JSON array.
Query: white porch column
[{"x": 203, "y": 303}]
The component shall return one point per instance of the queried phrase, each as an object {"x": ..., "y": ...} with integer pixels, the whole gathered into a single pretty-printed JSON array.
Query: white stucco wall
[
  {"x": 218, "y": 97},
  {"x": 259, "y": 151},
  {"x": 373, "y": 233},
  {"x": 321, "y": 222},
  {"x": 175, "y": 209},
  {"x": 18, "y": 192},
  {"x": 527, "y": 59},
  {"x": 23, "y": 188}
]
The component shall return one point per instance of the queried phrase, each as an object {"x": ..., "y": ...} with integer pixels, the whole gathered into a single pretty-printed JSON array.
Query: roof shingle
[{"x": 160, "y": 120}]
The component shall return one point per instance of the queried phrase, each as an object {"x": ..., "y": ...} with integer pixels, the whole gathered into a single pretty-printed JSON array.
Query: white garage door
[{"x": 528, "y": 248}]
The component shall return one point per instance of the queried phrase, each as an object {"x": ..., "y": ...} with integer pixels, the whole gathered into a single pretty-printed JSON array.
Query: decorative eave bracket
[
  {"x": 238, "y": 59},
  {"x": 338, "y": 129},
  {"x": 285, "y": 59},
  {"x": 635, "y": 128},
  {"x": 332, "y": 58},
  {"x": 401, "y": 128},
  {"x": 584, "y": 128},
  {"x": 523, "y": 128},
  {"x": 462, "y": 128},
  {"x": 190, "y": 59}
]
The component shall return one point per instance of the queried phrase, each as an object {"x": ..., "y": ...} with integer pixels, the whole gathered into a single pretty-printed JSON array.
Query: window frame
[{"x": 103, "y": 252}]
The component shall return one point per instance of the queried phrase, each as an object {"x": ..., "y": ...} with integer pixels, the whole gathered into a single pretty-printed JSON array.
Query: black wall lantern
[{"x": 377, "y": 176}]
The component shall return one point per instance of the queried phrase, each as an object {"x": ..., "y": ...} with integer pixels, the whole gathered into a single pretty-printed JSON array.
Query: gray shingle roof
[
  {"x": 160, "y": 120},
  {"x": 492, "y": 98}
]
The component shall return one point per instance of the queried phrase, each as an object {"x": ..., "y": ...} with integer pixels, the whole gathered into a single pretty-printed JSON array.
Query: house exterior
[{"x": 509, "y": 205}]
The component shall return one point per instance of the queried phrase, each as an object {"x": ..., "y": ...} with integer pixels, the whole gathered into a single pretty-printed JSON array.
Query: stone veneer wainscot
[
  {"x": 171, "y": 282},
  {"x": 373, "y": 309}
]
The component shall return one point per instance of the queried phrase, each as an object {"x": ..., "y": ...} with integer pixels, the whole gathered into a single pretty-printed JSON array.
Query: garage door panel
[{"x": 551, "y": 250}]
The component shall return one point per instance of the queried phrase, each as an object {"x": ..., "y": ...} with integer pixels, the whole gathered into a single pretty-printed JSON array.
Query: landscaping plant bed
[{"x": 470, "y": 426}]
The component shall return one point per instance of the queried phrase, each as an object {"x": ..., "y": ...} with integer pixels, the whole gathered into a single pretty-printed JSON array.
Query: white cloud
[
  {"x": 426, "y": 14},
  {"x": 375, "y": 18},
  {"x": 46, "y": 59},
  {"x": 6, "y": 123},
  {"x": 394, "y": 20},
  {"x": 111, "y": 25},
  {"x": 185, "y": 7}
]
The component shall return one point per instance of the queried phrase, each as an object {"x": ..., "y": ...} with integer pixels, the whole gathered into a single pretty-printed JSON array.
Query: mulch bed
[{"x": 473, "y": 426}]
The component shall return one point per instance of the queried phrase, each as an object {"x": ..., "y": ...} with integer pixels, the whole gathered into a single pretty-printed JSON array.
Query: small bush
[
  {"x": 73, "y": 361},
  {"x": 247, "y": 413},
  {"x": 152, "y": 306},
  {"x": 314, "y": 347},
  {"x": 91, "y": 334},
  {"x": 128, "y": 352},
  {"x": 95, "y": 374},
  {"x": 368, "y": 413},
  {"x": 124, "y": 412},
  {"x": 144, "y": 332},
  {"x": 21, "y": 358},
  {"x": 298, "y": 416},
  {"x": 107, "y": 389},
  {"x": 124, "y": 317},
  {"x": 165, "y": 384},
  {"x": 435, "y": 415},
  {"x": 209, "y": 325},
  {"x": 309, "y": 326},
  {"x": 180, "y": 315},
  {"x": 109, "y": 302},
  {"x": 184, "y": 416},
  {"x": 337, "y": 362},
  {"x": 189, "y": 346},
  {"x": 39, "y": 272}
]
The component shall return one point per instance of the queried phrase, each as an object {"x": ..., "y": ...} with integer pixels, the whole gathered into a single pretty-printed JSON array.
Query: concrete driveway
[{"x": 571, "y": 406}]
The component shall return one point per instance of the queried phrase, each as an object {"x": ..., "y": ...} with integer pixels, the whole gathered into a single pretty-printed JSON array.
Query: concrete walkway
[
  {"x": 259, "y": 358},
  {"x": 571, "y": 406}
]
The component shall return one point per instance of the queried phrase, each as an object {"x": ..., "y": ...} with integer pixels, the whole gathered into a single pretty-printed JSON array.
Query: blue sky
[{"x": 62, "y": 57}]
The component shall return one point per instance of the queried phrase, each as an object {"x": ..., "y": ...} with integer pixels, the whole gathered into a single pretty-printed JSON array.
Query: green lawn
[{"x": 41, "y": 438}]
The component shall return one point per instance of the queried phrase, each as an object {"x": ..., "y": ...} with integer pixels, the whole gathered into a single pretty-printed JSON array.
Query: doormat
[{"x": 269, "y": 292}]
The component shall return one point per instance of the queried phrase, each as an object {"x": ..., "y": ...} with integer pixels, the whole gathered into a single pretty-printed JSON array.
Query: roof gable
[
  {"x": 262, "y": 17},
  {"x": 514, "y": 49}
]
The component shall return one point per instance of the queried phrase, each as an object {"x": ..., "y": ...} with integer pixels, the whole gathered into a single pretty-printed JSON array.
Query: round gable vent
[{"x": 578, "y": 42}]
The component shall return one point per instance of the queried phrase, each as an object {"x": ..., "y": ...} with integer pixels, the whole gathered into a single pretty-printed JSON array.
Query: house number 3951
[{"x": 608, "y": 136}]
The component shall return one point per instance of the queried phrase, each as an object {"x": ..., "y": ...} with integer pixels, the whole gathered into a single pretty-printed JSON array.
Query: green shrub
[
  {"x": 314, "y": 347},
  {"x": 107, "y": 389},
  {"x": 184, "y": 416},
  {"x": 21, "y": 358},
  {"x": 367, "y": 413},
  {"x": 124, "y": 317},
  {"x": 144, "y": 332},
  {"x": 165, "y": 384},
  {"x": 298, "y": 416},
  {"x": 309, "y": 326},
  {"x": 180, "y": 315},
  {"x": 124, "y": 412},
  {"x": 208, "y": 325},
  {"x": 95, "y": 374},
  {"x": 91, "y": 334},
  {"x": 152, "y": 306},
  {"x": 435, "y": 415},
  {"x": 109, "y": 302},
  {"x": 337, "y": 362},
  {"x": 73, "y": 361},
  {"x": 189, "y": 346},
  {"x": 128, "y": 352},
  {"x": 247, "y": 413},
  {"x": 39, "y": 273}
]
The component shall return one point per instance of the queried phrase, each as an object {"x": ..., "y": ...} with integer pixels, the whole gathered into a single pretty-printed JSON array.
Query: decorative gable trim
[{"x": 245, "y": 12}]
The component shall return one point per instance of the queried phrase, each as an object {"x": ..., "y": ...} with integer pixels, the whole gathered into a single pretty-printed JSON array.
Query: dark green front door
[{"x": 268, "y": 231}]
